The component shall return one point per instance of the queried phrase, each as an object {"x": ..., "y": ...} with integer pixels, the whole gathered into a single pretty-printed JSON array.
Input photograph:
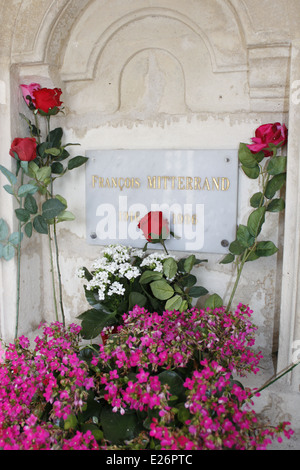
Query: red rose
[
  {"x": 154, "y": 226},
  {"x": 47, "y": 99},
  {"x": 24, "y": 148},
  {"x": 268, "y": 134}
]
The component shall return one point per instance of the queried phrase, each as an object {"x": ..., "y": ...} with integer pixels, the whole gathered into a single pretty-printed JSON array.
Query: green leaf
[
  {"x": 173, "y": 380},
  {"x": 54, "y": 152},
  {"x": 266, "y": 249},
  {"x": 161, "y": 290},
  {"x": 244, "y": 237},
  {"x": 197, "y": 291},
  {"x": 55, "y": 137},
  {"x": 118, "y": 428},
  {"x": 43, "y": 173},
  {"x": 173, "y": 303},
  {"x": 274, "y": 185},
  {"x": 189, "y": 280},
  {"x": 170, "y": 268},
  {"x": 70, "y": 423},
  {"x": 1, "y": 250},
  {"x": 22, "y": 214},
  {"x": 8, "y": 188},
  {"x": 252, "y": 173},
  {"x": 76, "y": 162},
  {"x": 52, "y": 208},
  {"x": 64, "y": 155},
  {"x": 40, "y": 225},
  {"x": 57, "y": 168},
  {"x": 189, "y": 263},
  {"x": 15, "y": 238},
  {"x": 8, "y": 252},
  {"x": 9, "y": 175},
  {"x": 136, "y": 298},
  {"x": 276, "y": 205},
  {"x": 4, "y": 230},
  {"x": 184, "y": 306},
  {"x": 92, "y": 298},
  {"x": 252, "y": 256},
  {"x": 214, "y": 301},
  {"x": 257, "y": 200},
  {"x": 277, "y": 165},
  {"x": 61, "y": 199},
  {"x": 149, "y": 276},
  {"x": 27, "y": 189},
  {"x": 65, "y": 216},
  {"x": 178, "y": 289},
  {"x": 256, "y": 220},
  {"x": 246, "y": 157},
  {"x": 32, "y": 169},
  {"x": 228, "y": 259},
  {"x": 28, "y": 229},
  {"x": 236, "y": 248},
  {"x": 30, "y": 204},
  {"x": 94, "y": 320}
]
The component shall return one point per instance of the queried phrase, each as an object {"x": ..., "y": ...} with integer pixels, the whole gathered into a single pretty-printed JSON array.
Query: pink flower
[
  {"x": 142, "y": 376},
  {"x": 27, "y": 91}
]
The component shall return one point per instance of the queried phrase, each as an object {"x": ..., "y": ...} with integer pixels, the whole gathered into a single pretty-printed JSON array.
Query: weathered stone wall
[{"x": 155, "y": 74}]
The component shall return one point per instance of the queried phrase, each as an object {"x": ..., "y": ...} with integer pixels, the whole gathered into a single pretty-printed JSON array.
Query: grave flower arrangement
[
  {"x": 167, "y": 377},
  {"x": 40, "y": 160},
  {"x": 162, "y": 382},
  {"x": 124, "y": 277}
]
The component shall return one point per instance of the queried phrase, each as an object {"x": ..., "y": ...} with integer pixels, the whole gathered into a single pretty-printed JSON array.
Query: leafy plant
[
  {"x": 272, "y": 175},
  {"x": 40, "y": 162}
]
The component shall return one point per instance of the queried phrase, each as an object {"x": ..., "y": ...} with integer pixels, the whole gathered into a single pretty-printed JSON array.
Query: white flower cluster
[
  {"x": 154, "y": 261},
  {"x": 110, "y": 269},
  {"x": 80, "y": 273}
]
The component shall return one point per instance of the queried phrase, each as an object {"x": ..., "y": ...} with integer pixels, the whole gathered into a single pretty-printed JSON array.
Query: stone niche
[{"x": 153, "y": 74}]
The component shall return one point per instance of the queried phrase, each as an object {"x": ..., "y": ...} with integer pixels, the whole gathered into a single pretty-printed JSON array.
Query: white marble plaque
[{"x": 195, "y": 189}]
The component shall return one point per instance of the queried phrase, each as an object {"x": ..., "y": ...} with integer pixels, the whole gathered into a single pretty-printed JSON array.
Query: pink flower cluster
[
  {"x": 230, "y": 336},
  {"x": 142, "y": 394},
  {"x": 170, "y": 339},
  {"x": 220, "y": 417},
  {"x": 40, "y": 387},
  {"x": 129, "y": 366}
]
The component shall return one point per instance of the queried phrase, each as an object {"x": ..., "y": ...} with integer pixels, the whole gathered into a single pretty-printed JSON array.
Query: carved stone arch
[
  {"x": 94, "y": 48},
  {"x": 40, "y": 33}
]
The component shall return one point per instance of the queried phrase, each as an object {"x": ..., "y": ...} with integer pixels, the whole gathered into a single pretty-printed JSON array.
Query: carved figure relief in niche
[{"x": 159, "y": 84}]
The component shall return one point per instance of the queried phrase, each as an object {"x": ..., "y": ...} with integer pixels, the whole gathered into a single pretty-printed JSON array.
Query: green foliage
[
  {"x": 41, "y": 174},
  {"x": 246, "y": 247},
  {"x": 8, "y": 241},
  {"x": 94, "y": 320}
]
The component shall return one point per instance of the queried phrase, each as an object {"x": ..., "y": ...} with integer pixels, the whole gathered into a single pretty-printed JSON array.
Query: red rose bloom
[
  {"x": 268, "y": 134},
  {"x": 46, "y": 99},
  {"x": 25, "y": 148},
  {"x": 152, "y": 225}
]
